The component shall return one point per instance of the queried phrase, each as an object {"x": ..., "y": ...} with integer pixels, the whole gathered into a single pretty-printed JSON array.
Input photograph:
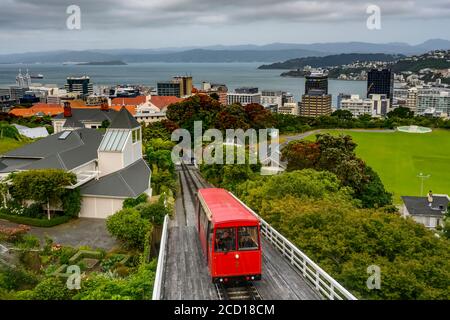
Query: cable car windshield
[
  {"x": 248, "y": 238},
  {"x": 225, "y": 240}
]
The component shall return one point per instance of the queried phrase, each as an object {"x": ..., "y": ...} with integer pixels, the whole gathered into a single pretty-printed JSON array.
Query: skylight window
[
  {"x": 114, "y": 140},
  {"x": 64, "y": 135}
]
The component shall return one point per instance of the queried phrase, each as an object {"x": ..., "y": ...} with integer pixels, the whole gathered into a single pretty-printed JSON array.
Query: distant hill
[
  {"x": 273, "y": 52},
  {"x": 331, "y": 60},
  {"x": 202, "y": 55},
  {"x": 103, "y": 63}
]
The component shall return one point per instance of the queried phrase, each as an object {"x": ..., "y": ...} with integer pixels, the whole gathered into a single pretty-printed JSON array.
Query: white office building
[
  {"x": 376, "y": 105},
  {"x": 434, "y": 103},
  {"x": 243, "y": 98}
]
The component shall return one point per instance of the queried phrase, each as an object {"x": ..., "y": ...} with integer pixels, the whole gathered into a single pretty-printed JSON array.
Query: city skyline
[{"x": 111, "y": 24}]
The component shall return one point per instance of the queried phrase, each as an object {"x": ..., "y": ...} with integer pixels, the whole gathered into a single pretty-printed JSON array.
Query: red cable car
[{"x": 229, "y": 235}]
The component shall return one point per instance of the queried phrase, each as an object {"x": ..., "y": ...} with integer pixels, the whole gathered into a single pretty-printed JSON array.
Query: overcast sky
[{"x": 40, "y": 25}]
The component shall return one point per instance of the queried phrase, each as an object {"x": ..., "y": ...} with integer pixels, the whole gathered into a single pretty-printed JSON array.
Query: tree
[
  {"x": 301, "y": 155},
  {"x": 137, "y": 286},
  {"x": 43, "y": 186},
  {"x": 129, "y": 227},
  {"x": 345, "y": 240},
  {"x": 132, "y": 202},
  {"x": 342, "y": 114},
  {"x": 301, "y": 183},
  {"x": 258, "y": 117},
  {"x": 105, "y": 124},
  {"x": 337, "y": 155},
  {"x": 401, "y": 112},
  {"x": 154, "y": 212},
  {"x": 214, "y": 96}
]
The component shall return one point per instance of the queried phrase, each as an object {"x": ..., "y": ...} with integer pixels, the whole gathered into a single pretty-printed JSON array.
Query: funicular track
[{"x": 239, "y": 291}]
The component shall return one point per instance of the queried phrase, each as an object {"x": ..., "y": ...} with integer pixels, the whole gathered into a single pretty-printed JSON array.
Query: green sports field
[{"x": 399, "y": 157}]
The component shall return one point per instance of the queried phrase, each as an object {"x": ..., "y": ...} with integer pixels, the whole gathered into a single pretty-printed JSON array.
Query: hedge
[{"x": 35, "y": 222}]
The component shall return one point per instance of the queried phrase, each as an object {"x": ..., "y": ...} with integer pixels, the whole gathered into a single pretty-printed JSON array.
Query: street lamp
[{"x": 422, "y": 177}]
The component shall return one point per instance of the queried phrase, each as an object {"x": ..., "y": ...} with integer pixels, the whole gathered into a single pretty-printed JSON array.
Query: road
[{"x": 75, "y": 233}]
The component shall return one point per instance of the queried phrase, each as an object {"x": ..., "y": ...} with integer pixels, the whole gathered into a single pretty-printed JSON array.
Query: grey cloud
[{"x": 112, "y": 14}]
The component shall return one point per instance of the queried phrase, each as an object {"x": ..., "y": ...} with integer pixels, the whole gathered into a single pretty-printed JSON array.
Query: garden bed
[{"x": 34, "y": 221}]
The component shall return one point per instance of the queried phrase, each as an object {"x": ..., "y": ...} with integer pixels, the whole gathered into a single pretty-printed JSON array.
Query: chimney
[
  {"x": 67, "y": 109},
  {"x": 104, "y": 106}
]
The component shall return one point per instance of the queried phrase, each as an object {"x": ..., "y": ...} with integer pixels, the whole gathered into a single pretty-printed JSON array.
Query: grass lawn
[
  {"x": 399, "y": 157},
  {"x": 8, "y": 144}
]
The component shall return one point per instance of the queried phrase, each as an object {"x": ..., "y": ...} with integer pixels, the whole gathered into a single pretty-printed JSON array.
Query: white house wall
[{"x": 109, "y": 162}]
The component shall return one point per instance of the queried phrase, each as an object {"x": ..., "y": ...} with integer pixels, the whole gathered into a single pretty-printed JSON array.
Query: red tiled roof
[
  {"x": 47, "y": 109},
  {"x": 129, "y": 101},
  {"x": 163, "y": 101}
]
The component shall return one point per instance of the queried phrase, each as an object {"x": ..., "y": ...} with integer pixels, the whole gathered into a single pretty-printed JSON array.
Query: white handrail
[
  {"x": 322, "y": 281},
  {"x": 157, "y": 286}
]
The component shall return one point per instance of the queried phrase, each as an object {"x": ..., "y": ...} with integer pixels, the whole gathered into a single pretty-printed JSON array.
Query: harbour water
[{"x": 232, "y": 74}]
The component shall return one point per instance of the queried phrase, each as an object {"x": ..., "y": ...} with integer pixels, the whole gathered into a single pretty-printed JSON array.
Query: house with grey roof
[
  {"x": 109, "y": 167},
  {"x": 422, "y": 212},
  {"x": 76, "y": 118}
]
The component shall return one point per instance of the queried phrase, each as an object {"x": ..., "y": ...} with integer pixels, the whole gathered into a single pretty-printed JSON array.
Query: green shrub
[
  {"x": 65, "y": 254},
  {"x": 16, "y": 279},
  {"x": 24, "y": 295},
  {"x": 155, "y": 212},
  {"x": 35, "y": 222},
  {"x": 51, "y": 288},
  {"x": 29, "y": 241},
  {"x": 128, "y": 226},
  {"x": 34, "y": 211},
  {"x": 131, "y": 202},
  {"x": 71, "y": 202}
]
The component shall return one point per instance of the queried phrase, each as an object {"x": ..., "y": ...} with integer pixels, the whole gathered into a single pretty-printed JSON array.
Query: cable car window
[
  {"x": 248, "y": 238},
  {"x": 225, "y": 240}
]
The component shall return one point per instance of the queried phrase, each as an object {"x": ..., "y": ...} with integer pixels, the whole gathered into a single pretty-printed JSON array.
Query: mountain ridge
[{"x": 272, "y": 52}]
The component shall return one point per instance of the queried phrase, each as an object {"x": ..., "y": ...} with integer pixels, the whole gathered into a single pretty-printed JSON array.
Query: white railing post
[{"x": 157, "y": 286}]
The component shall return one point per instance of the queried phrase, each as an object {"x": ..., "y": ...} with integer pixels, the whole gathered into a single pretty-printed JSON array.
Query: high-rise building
[
  {"x": 411, "y": 99},
  {"x": 169, "y": 88},
  {"x": 381, "y": 104},
  {"x": 178, "y": 87},
  {"x": 380, "y": 82},
  {"x": 80, "y": 85},
  {"x": 316, "y": 80},
  {"x": 185, "y": 85},
  {"x": 315, "y": 103}
]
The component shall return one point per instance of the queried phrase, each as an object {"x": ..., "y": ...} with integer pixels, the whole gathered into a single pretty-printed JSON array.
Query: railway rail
[{"x": 244, "y": 291}]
